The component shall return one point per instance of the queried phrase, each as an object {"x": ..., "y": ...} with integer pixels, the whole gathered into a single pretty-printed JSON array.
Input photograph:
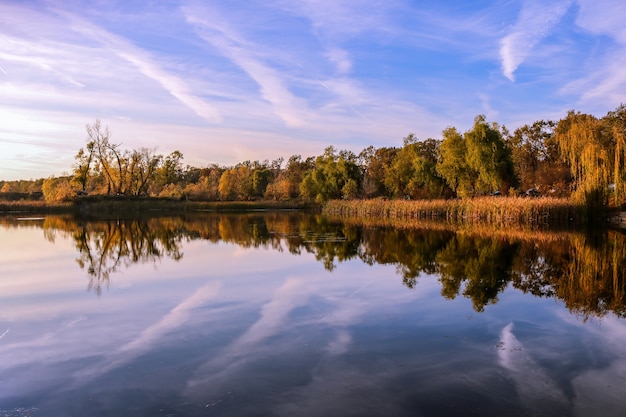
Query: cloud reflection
[
  {"x": 536, "y": 389},
  {"x": 149, "y": 337},
  {"x": 274, "y": 313}
]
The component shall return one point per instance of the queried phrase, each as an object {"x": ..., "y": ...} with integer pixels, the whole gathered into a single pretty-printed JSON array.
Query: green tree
[
  {"x": 488, "y": 155},
  {"x": 400, "y": 177},
  {"x": 262, "y": 175},
  {"x": 412, "y": 171},
  {"x": 331, "y": 174},
  {"x": 452, "y": 164}
]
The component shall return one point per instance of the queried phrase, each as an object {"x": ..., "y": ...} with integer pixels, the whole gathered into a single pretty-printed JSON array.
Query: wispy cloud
[
  {"x": 145, "y": 64},
  {"x": 340, "y": 19},
  {"x": 535, "y": 21},
  {"x": 606, "y": 81},
  {"x": 215, "y": 30},
  {"x": 280, "y": 77},
  {"x": 594, "y": 18},
  {"x": 341, "y": 59}
]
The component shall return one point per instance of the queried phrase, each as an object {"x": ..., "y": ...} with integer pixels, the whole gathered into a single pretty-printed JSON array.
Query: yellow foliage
[{"x": 57, "y": 190}]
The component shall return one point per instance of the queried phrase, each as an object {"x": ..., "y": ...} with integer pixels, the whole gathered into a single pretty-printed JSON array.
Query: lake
[{"x": 296, "y": 314}]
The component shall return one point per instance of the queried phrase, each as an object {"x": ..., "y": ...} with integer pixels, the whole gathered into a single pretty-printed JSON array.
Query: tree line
[{"x": 580, "y": 156}]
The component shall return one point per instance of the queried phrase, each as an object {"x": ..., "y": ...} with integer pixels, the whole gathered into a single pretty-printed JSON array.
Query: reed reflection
[{"x": 585, "y": 271}]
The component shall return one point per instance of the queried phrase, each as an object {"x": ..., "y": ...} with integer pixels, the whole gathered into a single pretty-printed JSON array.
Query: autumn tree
[
  {"x": 202, "y": 184},
  {"x": 590, "y": 154},
  {"x": 614, "y": 127},
  {"x": 108, "y": 156},
  {"x": 171, "y": 170},
  {"x": 245, "y": 181},
  {"x": 8, "y": 187},
  {"x": 83, "y": 165},
  {"x": 142, "y": 168},
  {"x": 596, "y": 151},
  {"x": 375, "y": 165},
  {"x": 57, "y": 189}
]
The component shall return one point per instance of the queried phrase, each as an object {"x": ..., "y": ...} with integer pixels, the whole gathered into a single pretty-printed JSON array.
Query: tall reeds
[{"x": 495, "y": 211}]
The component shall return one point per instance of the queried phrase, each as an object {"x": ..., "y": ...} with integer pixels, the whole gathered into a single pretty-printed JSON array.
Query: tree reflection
[
  {"x": 413, "y": 251},
  {"x": 585, "y": 271},
  {"x": 593, "y": 280},
  {"x": 106, "y": 246},
  {"x": 483, "y": 263}
]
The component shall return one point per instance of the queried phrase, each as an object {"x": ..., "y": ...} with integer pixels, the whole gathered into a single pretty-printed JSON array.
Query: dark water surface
[{"x": 288, "y": 314}]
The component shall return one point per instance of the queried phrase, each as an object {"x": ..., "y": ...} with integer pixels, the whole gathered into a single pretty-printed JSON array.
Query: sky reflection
[{"x": 256, "y": 331}]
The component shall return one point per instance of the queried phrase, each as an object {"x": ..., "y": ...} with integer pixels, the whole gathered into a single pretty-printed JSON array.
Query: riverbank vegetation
[
  {"x": 578, "y": 162},
  {"x": 131, "y": 207},
  {"x": 495, "y": 211}
]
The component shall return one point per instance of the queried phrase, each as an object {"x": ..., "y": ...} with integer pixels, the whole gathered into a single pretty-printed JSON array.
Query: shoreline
[
  {"x": 487, "y": 211},
  {"x": 99, "y": 206}
]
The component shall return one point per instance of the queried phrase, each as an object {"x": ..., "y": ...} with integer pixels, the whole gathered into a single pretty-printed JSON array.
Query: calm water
[{"x": 295, "y": 315}]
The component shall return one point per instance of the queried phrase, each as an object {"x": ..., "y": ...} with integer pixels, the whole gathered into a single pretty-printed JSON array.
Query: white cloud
[
  {"x": 216, "y": 32},
  {"x": 341, "y": 59},
  {"x": 603, "y": 17},
  {"x": 147, "y": 66},
  {"x": 606, "y": 82},
  {"x": 535, "y": 21}
]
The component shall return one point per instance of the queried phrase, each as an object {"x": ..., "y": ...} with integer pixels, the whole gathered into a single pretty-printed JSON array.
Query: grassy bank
[
  {"x": 102, "y": 206},
  {"x": 34, "y": 206},
  {"x": 495, "y": 211}
]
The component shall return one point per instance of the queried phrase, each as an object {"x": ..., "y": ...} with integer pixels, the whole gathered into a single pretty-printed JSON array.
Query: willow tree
[
  {"x": 590, "y": 155},
  {"x": 614, "y": 126}
]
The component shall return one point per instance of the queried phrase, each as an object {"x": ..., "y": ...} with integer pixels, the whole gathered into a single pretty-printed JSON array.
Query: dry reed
[{"x": 494, "y": 211}]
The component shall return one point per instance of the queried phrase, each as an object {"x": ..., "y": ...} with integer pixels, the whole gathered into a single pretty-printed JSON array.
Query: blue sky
[{"x": 228, "y": 81}]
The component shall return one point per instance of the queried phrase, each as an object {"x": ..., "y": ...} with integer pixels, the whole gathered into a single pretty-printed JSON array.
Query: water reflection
[
  {"x": 584, "y": 270},
  {"x": 238, "y": 315},
  {"x": 106, "y": 246}
]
